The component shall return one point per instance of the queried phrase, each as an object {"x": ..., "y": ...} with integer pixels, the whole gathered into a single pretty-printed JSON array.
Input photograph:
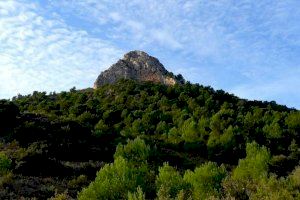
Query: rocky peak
[{"x": 138, "y": 65}]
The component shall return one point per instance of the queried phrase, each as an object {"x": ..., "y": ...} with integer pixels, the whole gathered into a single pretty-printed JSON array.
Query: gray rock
[{"x": 138, "y": 65}]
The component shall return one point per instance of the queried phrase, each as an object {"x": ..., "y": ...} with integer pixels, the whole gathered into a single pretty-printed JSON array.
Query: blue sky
[{"x": 248, "y": 48}]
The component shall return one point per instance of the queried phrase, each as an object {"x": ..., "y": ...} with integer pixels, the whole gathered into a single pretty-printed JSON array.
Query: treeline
[{"x": 148, "y": 141}]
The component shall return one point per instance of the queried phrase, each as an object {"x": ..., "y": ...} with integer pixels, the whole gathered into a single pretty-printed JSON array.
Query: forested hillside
[{"x": 139, "y": 141}]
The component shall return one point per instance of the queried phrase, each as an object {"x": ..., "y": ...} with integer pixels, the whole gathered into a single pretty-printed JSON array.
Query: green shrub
[
  {"x": 6, "y": 179},
  {"x": 135, "y": 151},
  {"x": 138, "y": 195},
  {"x": 206, "y": 180},
  {"x": 100, "y": 128},
  {"x": 113, "y": 181},
  {"x": 78, "y": 182},
  {"x": 5, "y": 163},
  {"x": 250, "y": 174},
  {"x": 255, "y": 165},
  {"x": 169, "y": 182},
  {"x": 61, "y": 196}
]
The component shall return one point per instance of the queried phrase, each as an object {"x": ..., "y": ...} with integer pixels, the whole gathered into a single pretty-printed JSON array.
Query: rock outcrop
[{"x": 138, "y": 65}]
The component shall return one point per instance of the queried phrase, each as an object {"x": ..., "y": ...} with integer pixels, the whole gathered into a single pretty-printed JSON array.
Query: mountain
[
  {"x": 133, "y": 139},
  {"x": 138, "y": 65}
]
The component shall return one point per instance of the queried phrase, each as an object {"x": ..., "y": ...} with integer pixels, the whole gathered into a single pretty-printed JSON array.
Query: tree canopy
[{"x": 133, "y": 140}]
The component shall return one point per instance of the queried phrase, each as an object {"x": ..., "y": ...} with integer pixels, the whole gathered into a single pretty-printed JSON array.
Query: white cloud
[
  {"x": 38, "y": 53},
  {"x": 222, "y": 31}
]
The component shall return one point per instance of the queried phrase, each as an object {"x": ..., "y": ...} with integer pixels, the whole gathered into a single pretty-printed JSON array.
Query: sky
[{"x": 245, "y": 47}]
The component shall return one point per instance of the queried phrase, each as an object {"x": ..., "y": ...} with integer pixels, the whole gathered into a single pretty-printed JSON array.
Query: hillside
[{"x": 147, "y": 140}]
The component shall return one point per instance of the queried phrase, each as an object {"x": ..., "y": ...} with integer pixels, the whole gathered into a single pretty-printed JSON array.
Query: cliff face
[{"x": 138, "y": 65}]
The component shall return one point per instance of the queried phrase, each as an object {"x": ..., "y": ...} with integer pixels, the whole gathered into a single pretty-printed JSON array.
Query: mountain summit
[{"x": 138, "y": 65}]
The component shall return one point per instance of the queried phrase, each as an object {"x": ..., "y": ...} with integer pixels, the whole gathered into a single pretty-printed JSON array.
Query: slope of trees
[{"x": 140, "y": 141}]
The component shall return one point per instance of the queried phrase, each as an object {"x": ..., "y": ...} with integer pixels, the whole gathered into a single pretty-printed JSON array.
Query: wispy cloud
[
  {"x": 205, "y": 28},
  {"x": 39, "y": 53}
]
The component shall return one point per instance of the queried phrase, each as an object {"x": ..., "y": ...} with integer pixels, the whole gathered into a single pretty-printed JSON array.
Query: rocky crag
[{"x": 138, "y": 65}]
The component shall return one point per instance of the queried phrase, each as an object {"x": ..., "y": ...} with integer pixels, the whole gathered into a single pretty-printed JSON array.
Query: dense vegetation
[{"x": 147, "y": 141}]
